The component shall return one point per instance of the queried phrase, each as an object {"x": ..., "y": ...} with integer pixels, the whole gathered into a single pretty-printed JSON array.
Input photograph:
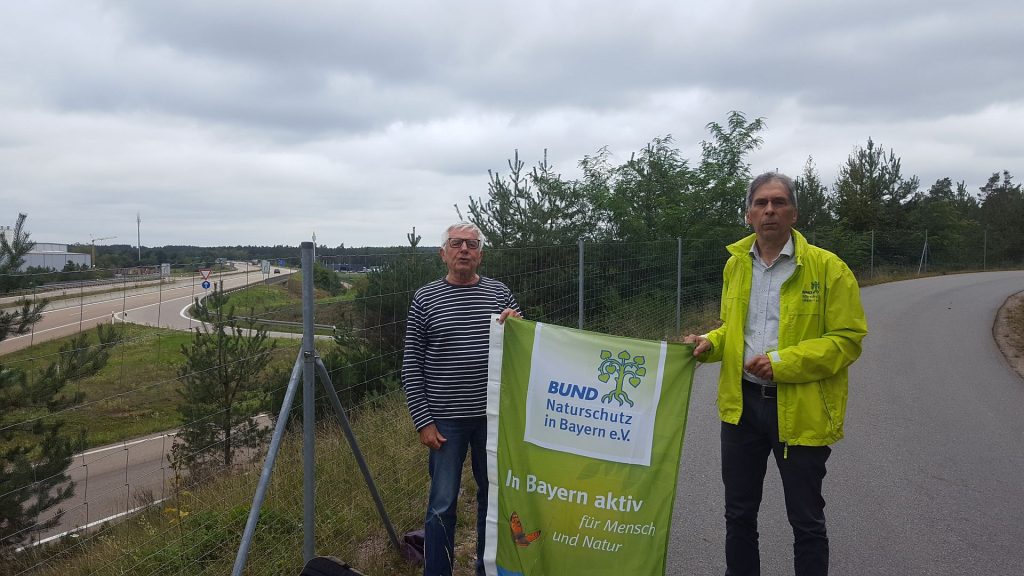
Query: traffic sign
[
  {"x": 206, "y": 273},
  {"x": 206, "y": 284}
]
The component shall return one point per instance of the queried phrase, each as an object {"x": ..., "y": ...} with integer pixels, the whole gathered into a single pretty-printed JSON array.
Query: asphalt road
[
  {"x": 154, "y": 305},
  {"x": 112, "y": 481},
  {"x": 116, "y": 480},
  {"x": 930, "y": 477}
]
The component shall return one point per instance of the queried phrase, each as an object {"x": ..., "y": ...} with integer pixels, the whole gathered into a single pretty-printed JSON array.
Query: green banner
[{"x": 585, "y": 433}]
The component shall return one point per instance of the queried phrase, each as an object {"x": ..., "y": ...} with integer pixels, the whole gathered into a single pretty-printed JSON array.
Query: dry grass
[{"x": 1009, "y": 331}]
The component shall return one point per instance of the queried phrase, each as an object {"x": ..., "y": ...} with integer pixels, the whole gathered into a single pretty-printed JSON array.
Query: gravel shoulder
[{"x": 1008, "y": 331}]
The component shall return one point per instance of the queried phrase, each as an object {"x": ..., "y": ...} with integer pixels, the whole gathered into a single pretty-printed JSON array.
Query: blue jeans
[{"x": 445, "y": 480}]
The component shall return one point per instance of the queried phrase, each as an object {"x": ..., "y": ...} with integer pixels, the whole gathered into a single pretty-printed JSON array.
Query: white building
[
  {"x": 49, "y": 255},
  {"x": 54, "y": 257}
]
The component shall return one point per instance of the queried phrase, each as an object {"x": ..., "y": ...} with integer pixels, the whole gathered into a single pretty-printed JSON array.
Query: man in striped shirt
[{"x": 444, "y": 373}]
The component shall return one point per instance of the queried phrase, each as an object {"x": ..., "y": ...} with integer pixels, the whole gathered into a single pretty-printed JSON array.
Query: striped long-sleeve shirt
[{"x": 444, "y": 368}]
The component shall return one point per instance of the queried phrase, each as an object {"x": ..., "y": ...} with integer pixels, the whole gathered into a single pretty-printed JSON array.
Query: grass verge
[
  {"x": 197, "y": 532},
  {"x": 136, "y": 393}
]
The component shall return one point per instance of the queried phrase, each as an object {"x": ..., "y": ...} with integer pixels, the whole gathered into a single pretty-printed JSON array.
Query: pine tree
[
  {"x": 871, "y": 190},
  {"x": 1002, "y": 210},
  {"x": 12, "y": 255},
  {"x": 35, "y": 450},
  {"x": 532, "y": 208},
  {"x": 413, "y": 238},
  {"x": 222, "y": 389}
]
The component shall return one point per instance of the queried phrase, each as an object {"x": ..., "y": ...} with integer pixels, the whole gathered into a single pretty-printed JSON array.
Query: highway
[
  {"x": 155, "y": 304},
  {"x": 930, "y": 477},
  {"x": 116, "y": 480},
  {"x": 111, "y": 482}
]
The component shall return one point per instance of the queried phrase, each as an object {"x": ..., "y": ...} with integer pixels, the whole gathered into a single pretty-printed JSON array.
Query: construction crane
[{"x": 94, "y": 240}]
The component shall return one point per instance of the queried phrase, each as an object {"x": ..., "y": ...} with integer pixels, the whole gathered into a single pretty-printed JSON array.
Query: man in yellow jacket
[{"x": 792, "y": 324}]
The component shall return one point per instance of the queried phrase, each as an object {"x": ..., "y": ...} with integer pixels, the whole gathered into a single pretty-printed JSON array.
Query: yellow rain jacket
[{"x": 821, "y": 325}]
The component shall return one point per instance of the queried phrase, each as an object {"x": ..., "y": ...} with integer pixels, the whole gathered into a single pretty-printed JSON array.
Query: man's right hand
[
  {"x": 703, "y": 344},
  {"x": 431, "y": 438}
]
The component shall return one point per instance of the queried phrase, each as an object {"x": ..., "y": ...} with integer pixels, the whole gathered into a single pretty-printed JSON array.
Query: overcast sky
[{"x": 250, "y": 122}]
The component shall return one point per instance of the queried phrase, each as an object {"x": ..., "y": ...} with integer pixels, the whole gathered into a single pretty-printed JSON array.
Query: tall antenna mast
[{"x": 138, "y": 222}]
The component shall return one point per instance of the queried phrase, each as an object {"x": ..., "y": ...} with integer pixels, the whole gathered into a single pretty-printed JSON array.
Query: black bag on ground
[
  {"x": 328, "y": 566},
  {"x": 412, "y": 547}
]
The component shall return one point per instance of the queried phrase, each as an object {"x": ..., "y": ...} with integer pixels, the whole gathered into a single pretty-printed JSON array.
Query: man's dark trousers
[
  {"x": 745, "y": 449},
  {"x": 463, "y": 434}
]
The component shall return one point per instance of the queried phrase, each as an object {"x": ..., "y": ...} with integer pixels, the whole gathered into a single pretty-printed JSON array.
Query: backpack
[{"x": 328, "y": 566}]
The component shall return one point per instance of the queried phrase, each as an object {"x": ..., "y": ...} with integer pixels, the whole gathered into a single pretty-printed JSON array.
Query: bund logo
[
  {"x": 624, "y": 367},
  {"x": 814, "y": 294}
]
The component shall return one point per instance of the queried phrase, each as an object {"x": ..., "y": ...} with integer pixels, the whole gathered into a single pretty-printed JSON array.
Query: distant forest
[
  {"x": 125, "y": 256},
  {"x": 657, "y": 194}
]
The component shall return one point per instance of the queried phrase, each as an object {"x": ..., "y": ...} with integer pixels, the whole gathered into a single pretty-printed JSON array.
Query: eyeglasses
[{"x": 471, "y": 243}]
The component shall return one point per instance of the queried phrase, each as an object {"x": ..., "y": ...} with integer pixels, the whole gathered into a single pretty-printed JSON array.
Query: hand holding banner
[{"x": 585, "y": 433}]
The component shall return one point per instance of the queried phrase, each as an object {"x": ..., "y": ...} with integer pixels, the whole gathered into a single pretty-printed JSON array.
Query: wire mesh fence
[{"x": 142, "y": 506}]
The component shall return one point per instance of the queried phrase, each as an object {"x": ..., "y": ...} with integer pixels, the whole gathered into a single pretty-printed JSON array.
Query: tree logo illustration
[{"x": 621, "y": 367}]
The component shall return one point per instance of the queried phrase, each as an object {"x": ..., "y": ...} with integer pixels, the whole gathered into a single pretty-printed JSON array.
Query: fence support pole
[
  {"x": 679, "y": 282},
  {"x": 268, "y": 468},
  {"x": 310, "y": 365},
  {"x": 580, "y": 242},
  {"x": 308, "y": 408},
  {"x": 332, "y": 394}
]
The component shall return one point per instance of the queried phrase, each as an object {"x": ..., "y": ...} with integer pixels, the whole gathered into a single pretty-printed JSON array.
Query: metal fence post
[
  {"x": 81, "y": 305},
  {"x": 679, "y": 282},
  {"x": 160, "y": 300},
  {"x": 308, "y": 409},
  {"x": 268, "y": 469},
  {"x": 984, "y": 250},
  {"x": 580, "y": 289},
  {"x": 923, "y": 264},
  {"x": 872, "y": 270}
]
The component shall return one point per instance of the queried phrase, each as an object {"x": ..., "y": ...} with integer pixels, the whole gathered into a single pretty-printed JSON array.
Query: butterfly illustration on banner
[{"x": 521, "y": 538}]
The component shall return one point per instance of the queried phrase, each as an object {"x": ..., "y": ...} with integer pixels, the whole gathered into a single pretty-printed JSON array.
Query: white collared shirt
[{"x": 761, "y": 333}]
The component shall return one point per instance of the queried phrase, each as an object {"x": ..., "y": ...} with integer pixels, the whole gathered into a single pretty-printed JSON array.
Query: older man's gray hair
[
  {"x": 767, "y": 178},
  {"x": 464, "y": 226}
]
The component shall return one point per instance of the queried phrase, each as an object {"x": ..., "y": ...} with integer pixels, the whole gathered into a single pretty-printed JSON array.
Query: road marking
[
  {"x": 90, "y": 525},
  {"x": 54, "y": 328},
  {"x": 116, "y": 315},
  {"x": 114, "y": 298},
  {"x": 124, "y": 445}
]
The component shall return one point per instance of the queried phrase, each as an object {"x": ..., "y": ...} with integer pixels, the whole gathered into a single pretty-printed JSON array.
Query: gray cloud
[{"x": 259, "y": 122}]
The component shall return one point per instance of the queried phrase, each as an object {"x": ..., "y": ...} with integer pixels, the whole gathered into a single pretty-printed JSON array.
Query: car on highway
[{"x": 277, "y": 270}]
